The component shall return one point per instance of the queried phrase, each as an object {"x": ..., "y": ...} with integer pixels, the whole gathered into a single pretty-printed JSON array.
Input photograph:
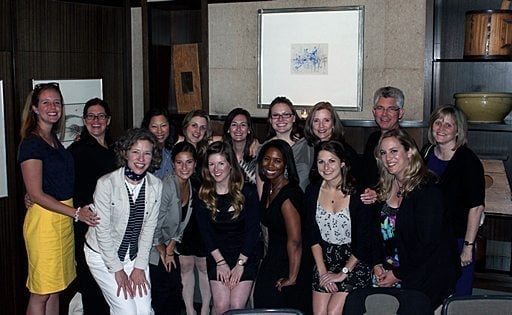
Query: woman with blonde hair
[{"x": 229, "y": 222}]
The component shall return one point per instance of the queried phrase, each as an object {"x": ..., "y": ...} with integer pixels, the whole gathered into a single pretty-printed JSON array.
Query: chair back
[
  {"x": 255, "y": 311},
  {"x": 478, "y": 304}
]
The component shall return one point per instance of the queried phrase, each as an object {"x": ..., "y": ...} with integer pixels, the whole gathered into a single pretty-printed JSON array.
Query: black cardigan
[
  {"x": 364, "y": 225},
  {"x": 463, "y": 185}
]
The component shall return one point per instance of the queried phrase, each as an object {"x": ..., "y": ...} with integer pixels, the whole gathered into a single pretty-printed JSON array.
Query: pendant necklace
[{"x": 400, "y": 191}]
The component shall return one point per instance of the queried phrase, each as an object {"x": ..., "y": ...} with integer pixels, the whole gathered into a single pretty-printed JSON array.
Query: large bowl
[{"x": 481, "y": 107}]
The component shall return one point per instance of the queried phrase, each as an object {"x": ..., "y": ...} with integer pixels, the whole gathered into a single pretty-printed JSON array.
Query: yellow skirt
[{"x": 50, "y": 248}]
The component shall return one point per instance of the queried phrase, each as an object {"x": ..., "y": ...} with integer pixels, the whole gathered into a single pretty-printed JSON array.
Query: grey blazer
[
  {"x": 169, "y": 217},
  {"x": 113, "y": 207}
]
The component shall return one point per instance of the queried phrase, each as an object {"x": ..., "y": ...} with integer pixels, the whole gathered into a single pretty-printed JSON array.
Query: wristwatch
[
  {"x": 466, "y": 243},
  {"x": 241, "y": 262},
  {"x": 345, "y": 270}
]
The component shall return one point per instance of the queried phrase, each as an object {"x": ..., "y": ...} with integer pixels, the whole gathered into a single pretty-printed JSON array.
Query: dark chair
[
  {"x": 274, "y": 311},
  {"x": 478, "y": 304},
  {"x": 387, "y": 301}
]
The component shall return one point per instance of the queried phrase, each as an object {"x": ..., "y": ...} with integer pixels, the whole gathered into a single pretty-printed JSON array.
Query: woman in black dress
[
  {"x": 284, "y": 278},
  {"x": 228, "y": 218}
]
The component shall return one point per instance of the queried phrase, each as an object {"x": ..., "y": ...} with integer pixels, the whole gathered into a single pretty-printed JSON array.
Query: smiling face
[
  {"x": 273, "y": 164},
  {"x": 49, "y": 107},
  {"x": 281, "y": 118},
  {"x": 184, "y": 165},
  {"x": 96, "y": 121},
  {"x": 159, "y": 127},
  {"x": 139, "y": 156},
  {"x": 219, "y": 168},
  {"x": 195, "y": 130},
  {"x": 322, "y": 124},
  {"x": 444, "y": 130},
  {"x": 239, "y": 128},
  {"x": 329, "y": 166},
  {"x": 394, "y": 157},
  {"x": 387, "y": 113}
]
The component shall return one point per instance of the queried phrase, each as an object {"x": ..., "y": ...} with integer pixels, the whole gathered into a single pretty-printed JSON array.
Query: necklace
[
  {"x": 400, "y": 191},
  {"x": 278, "y": 186}
]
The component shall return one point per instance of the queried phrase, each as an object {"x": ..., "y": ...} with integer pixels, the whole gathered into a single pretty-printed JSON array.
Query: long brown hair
[
  {"x": 29, "y": 117},
  {"x": 236, "y": 180}
]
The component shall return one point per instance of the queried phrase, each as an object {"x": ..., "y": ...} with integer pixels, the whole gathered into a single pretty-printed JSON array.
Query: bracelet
[
  {"x": 219, "y": 261},
  {"x": 221, "y": 264},
  {"x": 466, "y": 243},
  {"x": 77, "y": 213}
]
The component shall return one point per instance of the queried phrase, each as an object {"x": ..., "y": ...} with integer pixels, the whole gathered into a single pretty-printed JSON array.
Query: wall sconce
[{"x": 304, "y": 113}]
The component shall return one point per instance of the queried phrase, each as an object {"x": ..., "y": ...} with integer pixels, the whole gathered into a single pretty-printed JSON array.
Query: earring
[
  {"x": 36, "y": 111},
  {"x": 286, "y": 173}
]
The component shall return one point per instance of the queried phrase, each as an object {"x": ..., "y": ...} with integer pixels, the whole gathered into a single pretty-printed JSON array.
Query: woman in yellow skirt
[{"x": 48, "y": 174}]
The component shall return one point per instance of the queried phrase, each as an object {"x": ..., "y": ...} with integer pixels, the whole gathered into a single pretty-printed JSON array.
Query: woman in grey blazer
[{"x": 127, "y": 200}]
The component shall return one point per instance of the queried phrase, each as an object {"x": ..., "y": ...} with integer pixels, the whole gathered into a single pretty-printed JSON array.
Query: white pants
[{"x": 108, "y": 285}]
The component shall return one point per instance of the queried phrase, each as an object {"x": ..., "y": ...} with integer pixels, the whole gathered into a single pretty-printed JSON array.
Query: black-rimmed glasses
[{"x": 100, "y": 117}]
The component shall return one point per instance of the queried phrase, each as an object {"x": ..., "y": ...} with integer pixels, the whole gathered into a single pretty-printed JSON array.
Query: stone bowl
[{"x": 483, "y": 107}]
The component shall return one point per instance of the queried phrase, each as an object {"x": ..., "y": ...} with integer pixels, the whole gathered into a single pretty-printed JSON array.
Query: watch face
[
  {"x": 240, "y": 262},
  {"x": 345, "y": 270}
]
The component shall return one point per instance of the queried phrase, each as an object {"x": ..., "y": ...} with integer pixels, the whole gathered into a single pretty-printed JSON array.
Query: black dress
[
  {"x": 275, "y": 265},
  {"x": 232, "y": 236}
]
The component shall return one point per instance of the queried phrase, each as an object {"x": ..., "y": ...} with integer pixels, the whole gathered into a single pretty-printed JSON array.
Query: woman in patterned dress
[{"x": 340, "y": 226}]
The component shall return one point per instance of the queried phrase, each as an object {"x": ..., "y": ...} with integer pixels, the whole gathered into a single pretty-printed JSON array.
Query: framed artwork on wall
[
  {"x": 76, "y": 93},
  {"x": 311, "y": 55},
  {"x": 3, "y": 158}
]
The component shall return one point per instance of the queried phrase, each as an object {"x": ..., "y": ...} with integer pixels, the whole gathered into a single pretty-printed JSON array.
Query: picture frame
[
  {"x": 4, "y": 191},
  {"x": 311, "y": 55}
]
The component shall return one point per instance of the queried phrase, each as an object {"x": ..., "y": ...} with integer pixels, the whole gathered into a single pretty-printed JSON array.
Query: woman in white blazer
[{"x": 127, "y": 202}]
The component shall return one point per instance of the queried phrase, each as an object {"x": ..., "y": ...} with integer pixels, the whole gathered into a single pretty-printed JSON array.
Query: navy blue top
[{"x": 58, "y": 167}]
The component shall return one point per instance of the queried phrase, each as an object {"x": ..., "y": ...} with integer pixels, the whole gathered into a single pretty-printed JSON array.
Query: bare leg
[
  {"x": 336, "y": 303},
  {"x": 188, "y": 281},
  {"x": 240, "y": 294},
  {"x": 204, "y": 285},
  {"x": 320, "y": 302},
  {"x": 41, "y": 304},
  {"x": 221, "y": 295}
]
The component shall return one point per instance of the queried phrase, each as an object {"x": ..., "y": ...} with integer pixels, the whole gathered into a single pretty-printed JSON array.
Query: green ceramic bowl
[{"x": 482, "y": 107}]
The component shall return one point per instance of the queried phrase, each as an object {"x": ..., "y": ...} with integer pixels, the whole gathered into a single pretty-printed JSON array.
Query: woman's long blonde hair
[
  {"x": 415, "y": 172},
  {"x": 236, "y": 180}
]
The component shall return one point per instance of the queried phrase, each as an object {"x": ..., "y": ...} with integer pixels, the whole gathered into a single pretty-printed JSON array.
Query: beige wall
[{"x": 394, "y": 41}]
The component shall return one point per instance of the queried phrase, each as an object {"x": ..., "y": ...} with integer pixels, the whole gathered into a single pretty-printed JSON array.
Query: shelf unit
[{"x": 449, "y": 73}]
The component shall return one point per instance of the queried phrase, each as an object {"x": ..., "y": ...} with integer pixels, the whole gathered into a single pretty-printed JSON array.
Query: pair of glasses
[
  {"x": 100, "y": 117},
  {"x": 392, "y": 109},
  {"x": 276, "y": 116},
  {"x": 41, "y": 86}
]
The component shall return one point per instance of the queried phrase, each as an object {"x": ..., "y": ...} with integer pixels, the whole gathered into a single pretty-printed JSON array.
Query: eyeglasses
[
  {"x": 276, "y": 116},
  {"x": 392, "y": 109},
  {"x": 41, "y": 86},
  {"x": 100, "y": 117}
]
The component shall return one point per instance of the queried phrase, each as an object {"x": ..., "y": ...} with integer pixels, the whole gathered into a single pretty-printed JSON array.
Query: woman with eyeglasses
[
  {"x": 48, "y": 173},
  {"x": 228, "y": 219},
  {"x": 283, "y": 123},
  {"x": 94, "y": 157},
  {"x": 157, "y": 121}
]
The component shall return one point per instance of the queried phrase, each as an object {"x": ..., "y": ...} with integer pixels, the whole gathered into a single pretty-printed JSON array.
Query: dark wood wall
[{"x": 47, "y": 39}]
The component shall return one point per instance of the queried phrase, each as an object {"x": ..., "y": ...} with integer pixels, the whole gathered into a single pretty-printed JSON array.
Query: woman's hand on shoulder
[
  {"x": 254, "y": 147},
  {"x": 87, "y": 216},
  {"x": 369, "y": 196}
]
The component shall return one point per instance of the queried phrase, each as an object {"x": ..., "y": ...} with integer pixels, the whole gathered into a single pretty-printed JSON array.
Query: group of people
[{"x": 299, "y": 221}]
